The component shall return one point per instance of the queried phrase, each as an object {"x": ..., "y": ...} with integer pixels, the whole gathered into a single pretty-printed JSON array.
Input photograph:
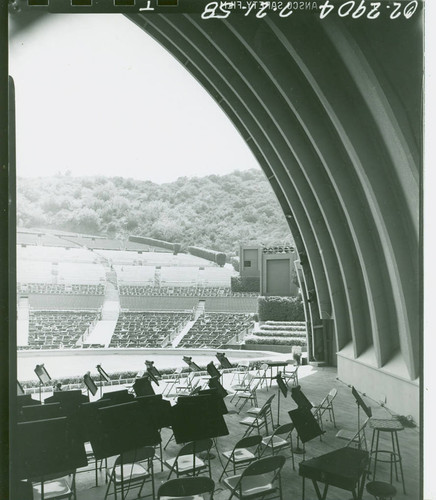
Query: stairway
[
  {"x": 183, "y": 332},
  {"x": 104, "y": 329},
  {"x": 200, "y": 310}
]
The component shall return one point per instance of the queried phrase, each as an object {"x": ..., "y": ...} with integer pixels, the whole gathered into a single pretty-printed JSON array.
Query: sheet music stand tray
[
  {"x": 367, "y": 410},
  {"x": 306, "y": 426},
  {"x": 113, "y": 437},
  {"x": 104, "y": 377},
  {"x": 152, "y": 369},
  {"x": 192, "y": 366},
  {"x": 224, "y": 361},
  {"x": 43, "y": 376},
  {"x": 90, "y": 384}
]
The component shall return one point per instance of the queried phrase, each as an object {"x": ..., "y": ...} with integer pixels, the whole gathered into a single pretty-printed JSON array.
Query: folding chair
[
  {"x": 291, "y": 376},
  {"x": 257, "y": 480},
  {"x": 255, "y": 410},
  {"x": 261, "y": 374},
  {"x": 173, "y": 380},
  {"x": 355, "y": 438},
  {"x": 326, "y": 405},
  {"x": 244, "y": 452},
  {"x": 243, "y": 386},
  {"x": 56, "y": 486},
  {"x": 132, "y": 469},
  {"x": 187, "y": 487},
  {"x": 241, "y": 371},
  {"x": 185, "y": 388},
  {"x": 280, "y": 439},
  {"x": 249, "y": 394},
  {"x": 260, "y": 420},
  {"x": 187, "y": 462}
]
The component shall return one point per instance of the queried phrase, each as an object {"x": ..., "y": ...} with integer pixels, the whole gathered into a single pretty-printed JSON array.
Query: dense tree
[{"x": 216, "y": 212}]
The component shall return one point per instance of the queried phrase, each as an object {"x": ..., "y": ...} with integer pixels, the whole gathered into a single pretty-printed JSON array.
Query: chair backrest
[
  {"x": 284, "y": 429},
  {"x": 195, "y": 447},
  {"x": 264, "y": 466},
  {"x": 254, "y": 384},
  {"x": 268, "y": 402},
  {"x": 132, "y": 456},
  {"x": 332, "y": 394},
  {"x": 186, "y": 486},
  {"x": 249, "y": 442},
  {"x": 243, "y": 365}
]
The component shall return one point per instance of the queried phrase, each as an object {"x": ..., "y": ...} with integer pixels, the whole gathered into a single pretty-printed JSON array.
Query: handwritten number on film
[{"x": 372, "y": 10}]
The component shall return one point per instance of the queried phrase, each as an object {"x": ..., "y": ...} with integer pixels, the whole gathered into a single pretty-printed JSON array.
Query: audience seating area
[
  {"x": 41, "y": 238},
  {"x": 34, "y": 272},
  {"x": 55, "y": 254},
  {"x": 147, "y": 256},
  {"x": 81, "y": 273},
  {"x": 147, "y": 329},
  {"x": 180, "y": 291},
  {"x": 61, "y": 289},
  {"x": 58, "y": 330},
  {"x": 215, "y": 330},
  {"x": 137, "y": 303},
  {"x": 62, "y": 302},
  {"x": 134, "y": 274},
  {"x": 95, "y": 242}
]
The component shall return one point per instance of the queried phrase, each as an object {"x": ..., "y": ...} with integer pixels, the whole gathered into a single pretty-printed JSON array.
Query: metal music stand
[
  {"x": 45, "y": 448},
  {"x": 160, "y": 411},
  {"x": 213, "y": 371},
  {"x": 20, "y": 390},
  {"x": 123, "y": 428},
  {"x": 152, "y": 377},
  {"x": 214, "y": 383},
  {"x": 224, "y": 361},
  {"x": 306, "y": 425},
  {"x": 43, "y": 377},
  {"x": 90, "y": 384},
  {"x": 192, "y": 366},
  {"x": 104, "y": 377},
  {"x": 360, "y": 404},
  {"x": 198, "y": 417},
  {"x": 142, "y": 387},
  {"x": 302, "y": 403},
  {"x": 152, "y": 369},
  {"x": 283, "y": 389}
]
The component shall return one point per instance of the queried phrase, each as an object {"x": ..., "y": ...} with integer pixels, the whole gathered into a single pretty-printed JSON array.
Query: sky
[{"x": 95, "y": 95}]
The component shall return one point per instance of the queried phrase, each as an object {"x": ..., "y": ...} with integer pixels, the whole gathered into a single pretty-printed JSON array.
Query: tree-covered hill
[{"x": 216, "y": 212}]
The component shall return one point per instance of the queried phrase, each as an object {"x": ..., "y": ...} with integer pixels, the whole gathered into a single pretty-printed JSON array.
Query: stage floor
[
  {"x": 316, "y": 383},
  {"x": 76, "y": 362}
]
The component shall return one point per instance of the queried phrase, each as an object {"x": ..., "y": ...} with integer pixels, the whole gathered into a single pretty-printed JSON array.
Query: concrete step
[{"x": 102, "y": 333}]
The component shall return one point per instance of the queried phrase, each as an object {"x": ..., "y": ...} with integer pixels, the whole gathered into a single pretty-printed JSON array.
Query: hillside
[{"x": 215, "y": 211}]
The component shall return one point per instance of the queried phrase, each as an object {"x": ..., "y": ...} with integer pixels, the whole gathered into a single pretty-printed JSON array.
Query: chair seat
[
  {"x": 190, "y": 497},
  {"x": 381, "y": 489},
  {"x": 275, "y": 442},
  {"x": 131, "y": 472},
  {"x": 245, "y": 394},
  {"x": 254, "y": 411},
  {"x": 251, "y": 486},
  {"x": 186, "y": 463},
  {"x": 239, "y": 387},
  {"x": 384, "y": 424},
  {"x": 250, "y": 421},
  {"x": 240, "y": 455},
  {"x": 52, "y": 489}
]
